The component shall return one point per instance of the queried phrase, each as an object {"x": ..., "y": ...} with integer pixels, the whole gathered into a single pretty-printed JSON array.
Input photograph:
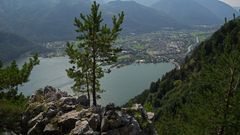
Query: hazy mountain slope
[
  {"x": 43, "y": 20},
  {"x": 143, "y": 2},
  {"x": 237, "y": 8},
  {"x": 12, "y": 46},
  {"x": 220, "y": 9},
  {"x": 187, "y": 12},
  {"x": 203, "y": 96},
  {"x": 57, "y": 23},
  {"x": 139, "y": 18},
  {"x": 19, "y": 14}
]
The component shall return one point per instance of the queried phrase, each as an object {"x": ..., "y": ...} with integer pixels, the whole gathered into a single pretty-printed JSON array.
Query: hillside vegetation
[
  {"x": 12, "y": 46},
  {"x": 203, "y": 96}
]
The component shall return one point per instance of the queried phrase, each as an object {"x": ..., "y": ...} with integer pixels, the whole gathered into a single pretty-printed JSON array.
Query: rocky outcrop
[{"x": 53, "y": 112}]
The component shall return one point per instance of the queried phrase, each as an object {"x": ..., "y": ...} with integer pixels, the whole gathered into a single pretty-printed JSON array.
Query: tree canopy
[
  {"x": 12, "y": 76},
  {"x": 94, "y": 49}
]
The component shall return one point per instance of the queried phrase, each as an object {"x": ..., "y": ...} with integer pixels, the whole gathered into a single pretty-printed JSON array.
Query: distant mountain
[
  {"x": 237, "y": 8},
  {"x": 146, "y": 2},
  {"x": 138, "y": 18},
  {"x": 12, "y": 46},
  {"x": 143, "y": 2},
  {"x": 219, "y": 8},
  {"x": 57, "y": 22},
  {"x": 187, "y": 12},
  {"x": 44, "y": 20}
]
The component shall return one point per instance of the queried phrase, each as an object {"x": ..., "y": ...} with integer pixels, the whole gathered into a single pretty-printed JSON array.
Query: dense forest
[{"x": 203, "y": 96}]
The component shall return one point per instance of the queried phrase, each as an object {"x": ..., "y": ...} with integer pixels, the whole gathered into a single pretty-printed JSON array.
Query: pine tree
[
  {"x": 12, "y": 76},
  {"x": 94, "y": 49},
  {"x": 81, "y": 73},
  {"x": 222, "y": 79}
]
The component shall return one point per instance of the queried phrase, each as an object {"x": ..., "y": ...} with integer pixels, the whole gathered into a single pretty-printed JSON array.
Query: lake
[{"x": 120, "y": 85}]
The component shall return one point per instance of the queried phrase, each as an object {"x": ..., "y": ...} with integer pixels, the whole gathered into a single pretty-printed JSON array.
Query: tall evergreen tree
[
  {"x": 13, "y": 104},
  {"x": 81, "y": 73},
  {"x": 94, "y": 49},
  {"x": 12, "y": 76}
]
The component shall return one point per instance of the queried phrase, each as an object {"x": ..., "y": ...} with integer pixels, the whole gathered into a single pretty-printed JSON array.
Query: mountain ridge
[
  {"x": 40, "y": 21},
  {"x": 193, "y": 14}
]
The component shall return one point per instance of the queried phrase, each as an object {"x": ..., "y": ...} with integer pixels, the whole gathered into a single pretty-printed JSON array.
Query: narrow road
[
  {"x": 177, "y": 65},
  {"x": 190, "y": 48}
]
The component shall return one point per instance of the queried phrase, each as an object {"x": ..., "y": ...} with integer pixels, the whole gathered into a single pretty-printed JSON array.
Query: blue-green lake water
[{"x": 120, "y": 85}]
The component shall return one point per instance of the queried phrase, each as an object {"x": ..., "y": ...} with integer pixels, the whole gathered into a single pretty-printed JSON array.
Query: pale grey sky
[{"x": 234, "y": 3}]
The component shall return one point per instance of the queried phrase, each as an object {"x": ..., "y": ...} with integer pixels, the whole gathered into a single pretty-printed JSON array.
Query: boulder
[
  {"x": 62, "y": 94},
  {"x": 135, "y": 123},
  {"x": 51, "y": 112},
  {"x": 51, "y": 105},
  {"x": 50, "y": 94},
  {"x": 24, "y": 122},
  {"x": 137, "y": 107},
  {"x": 67, "y": 121},
  {"x": 80, "y": 128},
  {"x": 91, "y": 132},
  {"x": 37, "y": 129},
  {"x": 94, "y": 121},
  {"x": 118, "y": 123},
  {"x": 83, "y": 100},
  {"x": 150, "y": 115},
  {"x": 110, "y": 121},
  {"x": 110, "y": 106},
  {"x": 104, "y": 125},
  {"x": 126, "y": 119},
  {"x": 49, "y": 89},
  {"x": 8, "y": 133},
  {"x": 85, "y": 114},
  {"x": 33, "y": 98},
  {"x": 50, "y": 129},
  {"x": 68, "y": 101},
  {"x": 34, "y": 109},
  {"x": 36, "y": 119},
  {"x": 97, "y": 109},
  {"x": 131, "y": 129},
  {"x": 112, "y": 132},
  {"x": 66, "y": 108}
]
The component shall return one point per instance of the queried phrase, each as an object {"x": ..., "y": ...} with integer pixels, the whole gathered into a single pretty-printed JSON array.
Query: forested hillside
[
  {"x": 203, "y": 96},
  {"x": 12, "y": 46}
]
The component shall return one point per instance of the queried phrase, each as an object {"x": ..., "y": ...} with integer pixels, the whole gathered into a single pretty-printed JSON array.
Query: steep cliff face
[
  {"x": 203, "y": 96},
  {"x": 53, "y": 112}
]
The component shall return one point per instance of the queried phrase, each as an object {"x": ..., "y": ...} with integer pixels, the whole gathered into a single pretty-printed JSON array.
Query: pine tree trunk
[
  {"x": 94, "y": 80},
  {"x": 88, "y": 91}
]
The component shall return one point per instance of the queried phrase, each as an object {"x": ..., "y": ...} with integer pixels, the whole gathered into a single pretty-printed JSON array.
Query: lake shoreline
[{"x": 121, "y": 84}]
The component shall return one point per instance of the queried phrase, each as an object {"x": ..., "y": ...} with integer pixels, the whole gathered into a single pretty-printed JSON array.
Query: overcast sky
[{"x": 234, "y": 3}]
